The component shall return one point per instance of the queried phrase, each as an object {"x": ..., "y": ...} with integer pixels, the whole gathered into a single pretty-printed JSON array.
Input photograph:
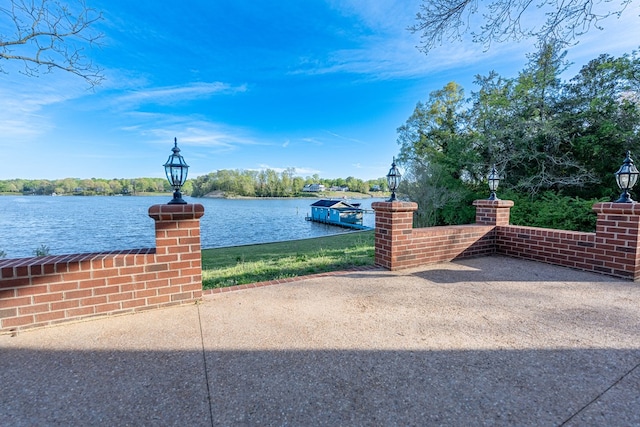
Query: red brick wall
[
  {"x": 567, "y": 248},
  {"x": 493, "y": 212},
  {"x": 614, "y": 248},
  {"x": 44, "y": 291},
  {"x": 398, "y": 245}
]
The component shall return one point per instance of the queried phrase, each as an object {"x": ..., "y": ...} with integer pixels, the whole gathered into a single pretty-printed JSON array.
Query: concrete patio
[{"x": 483, "y": 341}]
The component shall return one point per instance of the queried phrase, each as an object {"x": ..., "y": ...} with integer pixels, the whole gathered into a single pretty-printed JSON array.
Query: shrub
[
  {"x": 553, "y": 210},
  {"x": 43, "y": 250}
]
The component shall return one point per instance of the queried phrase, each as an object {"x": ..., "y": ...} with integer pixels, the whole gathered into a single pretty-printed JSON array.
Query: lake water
[{"x": 96, "y": 224}]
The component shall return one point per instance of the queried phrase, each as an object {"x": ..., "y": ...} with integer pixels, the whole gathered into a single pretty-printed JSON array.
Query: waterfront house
[{"x": 314, "y": 188}]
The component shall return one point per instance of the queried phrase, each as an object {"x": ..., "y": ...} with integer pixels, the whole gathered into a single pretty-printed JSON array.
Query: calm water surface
[{"x": 95, "y": 224}]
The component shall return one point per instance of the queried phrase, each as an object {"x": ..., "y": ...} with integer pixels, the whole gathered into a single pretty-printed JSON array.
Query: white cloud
[
  {"x": 299, "y": 171},
  {"x": 387, "y": 50},
  {"x": 345, "y": 138},
  {"x": 24, "y": 101},
  {"x": 190, "y": 130},
  {"x": 201, "y": 133},
  {"x": 311, "y": 140},
  {"x": 171, "y": 94}
]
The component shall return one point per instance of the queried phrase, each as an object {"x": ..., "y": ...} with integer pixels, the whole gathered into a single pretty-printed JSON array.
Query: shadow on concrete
[
  {"x": 323, "y": 387},
  {"x": 506, "y": 269}
]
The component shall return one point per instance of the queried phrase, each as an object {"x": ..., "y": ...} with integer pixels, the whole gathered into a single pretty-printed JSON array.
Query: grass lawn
[{"x": 239, "y": 265}]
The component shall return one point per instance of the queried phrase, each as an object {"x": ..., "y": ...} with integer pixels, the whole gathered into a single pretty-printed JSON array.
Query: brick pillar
[
  {"x": 394, "y": 227},
  {"x": 178, "y": 247},
  {"x": 617, "y": 238},
  {"x": 492, "y": 212}
]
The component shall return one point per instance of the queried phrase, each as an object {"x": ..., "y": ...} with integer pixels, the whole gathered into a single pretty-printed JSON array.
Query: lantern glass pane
[
  {"x": 493, "y": 179},
  {"x": 633, "y": 176},
  {"x": 393, "y": 180},
  {"x": 623, "y": 180}
]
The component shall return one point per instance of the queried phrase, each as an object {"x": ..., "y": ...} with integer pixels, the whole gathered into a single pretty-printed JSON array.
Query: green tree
[
  {"x": 187, "y": 188},
  {"x": 546, "y": 136},
  {"x": 438, "y": 152},
  {"x": 286, "y": 178},
  {"x": 602, "y": 117},
  {"x": 540, "y": 155},
  {"x": 298, "y": 184}
]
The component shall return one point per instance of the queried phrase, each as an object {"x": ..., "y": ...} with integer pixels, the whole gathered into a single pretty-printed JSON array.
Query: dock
[{"x": 339, "y": 224}]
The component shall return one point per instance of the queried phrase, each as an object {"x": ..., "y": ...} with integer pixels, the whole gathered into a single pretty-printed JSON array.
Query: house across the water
[
  {"x": 314, "y": 188},
  {"x": 337, "y": 212}
]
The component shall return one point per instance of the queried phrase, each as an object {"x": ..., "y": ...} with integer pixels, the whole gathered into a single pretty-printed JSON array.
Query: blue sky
[{"x": 316, "y": 85}]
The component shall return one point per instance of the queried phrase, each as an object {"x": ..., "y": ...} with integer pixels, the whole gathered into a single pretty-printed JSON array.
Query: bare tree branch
[
  {"x": 502, "y": 20},
  {"x": 48, "y": 34}
]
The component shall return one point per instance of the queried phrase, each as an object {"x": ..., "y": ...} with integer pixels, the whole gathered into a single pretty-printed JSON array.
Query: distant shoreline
[
  {"x": 312, "y": 196},
  {"x": 223, "y": 195}
]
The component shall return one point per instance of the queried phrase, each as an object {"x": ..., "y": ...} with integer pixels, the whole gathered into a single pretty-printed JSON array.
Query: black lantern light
[
  {"x": 626, "y": 177},
  {"x": 393, "y": 180},
  {"x": 176, "y": 169},
  {"x": 494, "y": 181}
]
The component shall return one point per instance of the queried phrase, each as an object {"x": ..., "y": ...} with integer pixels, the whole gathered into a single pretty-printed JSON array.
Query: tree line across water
[
  {"x": 86, "y": 187},
  {"x": 271, "y": 183},
  {"x": 243, "y": 183}
]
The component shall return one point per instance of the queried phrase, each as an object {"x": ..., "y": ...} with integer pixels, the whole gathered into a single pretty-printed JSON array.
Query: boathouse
[{"x": 337, "y": 212}]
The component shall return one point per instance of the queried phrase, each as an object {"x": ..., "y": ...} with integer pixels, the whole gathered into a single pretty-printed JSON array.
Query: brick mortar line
[{"x": 215, "y": 291}]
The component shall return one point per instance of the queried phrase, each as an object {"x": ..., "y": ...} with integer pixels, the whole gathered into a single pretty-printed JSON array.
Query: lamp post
[
  {"x": 626, "y": 177},
  {"x": 176, "y": 169},
  {"x": 494, "y": 181},
  {"x": 393, "y": 180}
]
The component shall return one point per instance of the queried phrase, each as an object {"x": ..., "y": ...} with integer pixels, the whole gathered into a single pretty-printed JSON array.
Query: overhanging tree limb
[
  {"x": 502, "y": 20},
  {"x": 48, "y": 34}
]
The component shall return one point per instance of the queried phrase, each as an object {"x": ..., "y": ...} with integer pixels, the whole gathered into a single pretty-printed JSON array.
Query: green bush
[
  {"x": 43, "y": 250},
  {"x": 552, "y": 210}
]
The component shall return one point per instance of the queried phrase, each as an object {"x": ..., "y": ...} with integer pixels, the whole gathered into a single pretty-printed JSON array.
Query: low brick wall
[
  {"x": 44, "y": 291},
  {"x": 438, "y": 244},
  {"x": 571, "y": 249},
  {"x": 398, "y": 245},
  {"x": 614, "y": 249}
]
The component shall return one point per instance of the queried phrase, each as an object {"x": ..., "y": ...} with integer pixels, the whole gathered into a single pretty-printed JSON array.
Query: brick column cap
[
  {"x": 486, "y": 203},
  {"x": 176, "y": 212},
  {"x": 396, "y": 206},
  {"x": 617, "y": 208}
]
